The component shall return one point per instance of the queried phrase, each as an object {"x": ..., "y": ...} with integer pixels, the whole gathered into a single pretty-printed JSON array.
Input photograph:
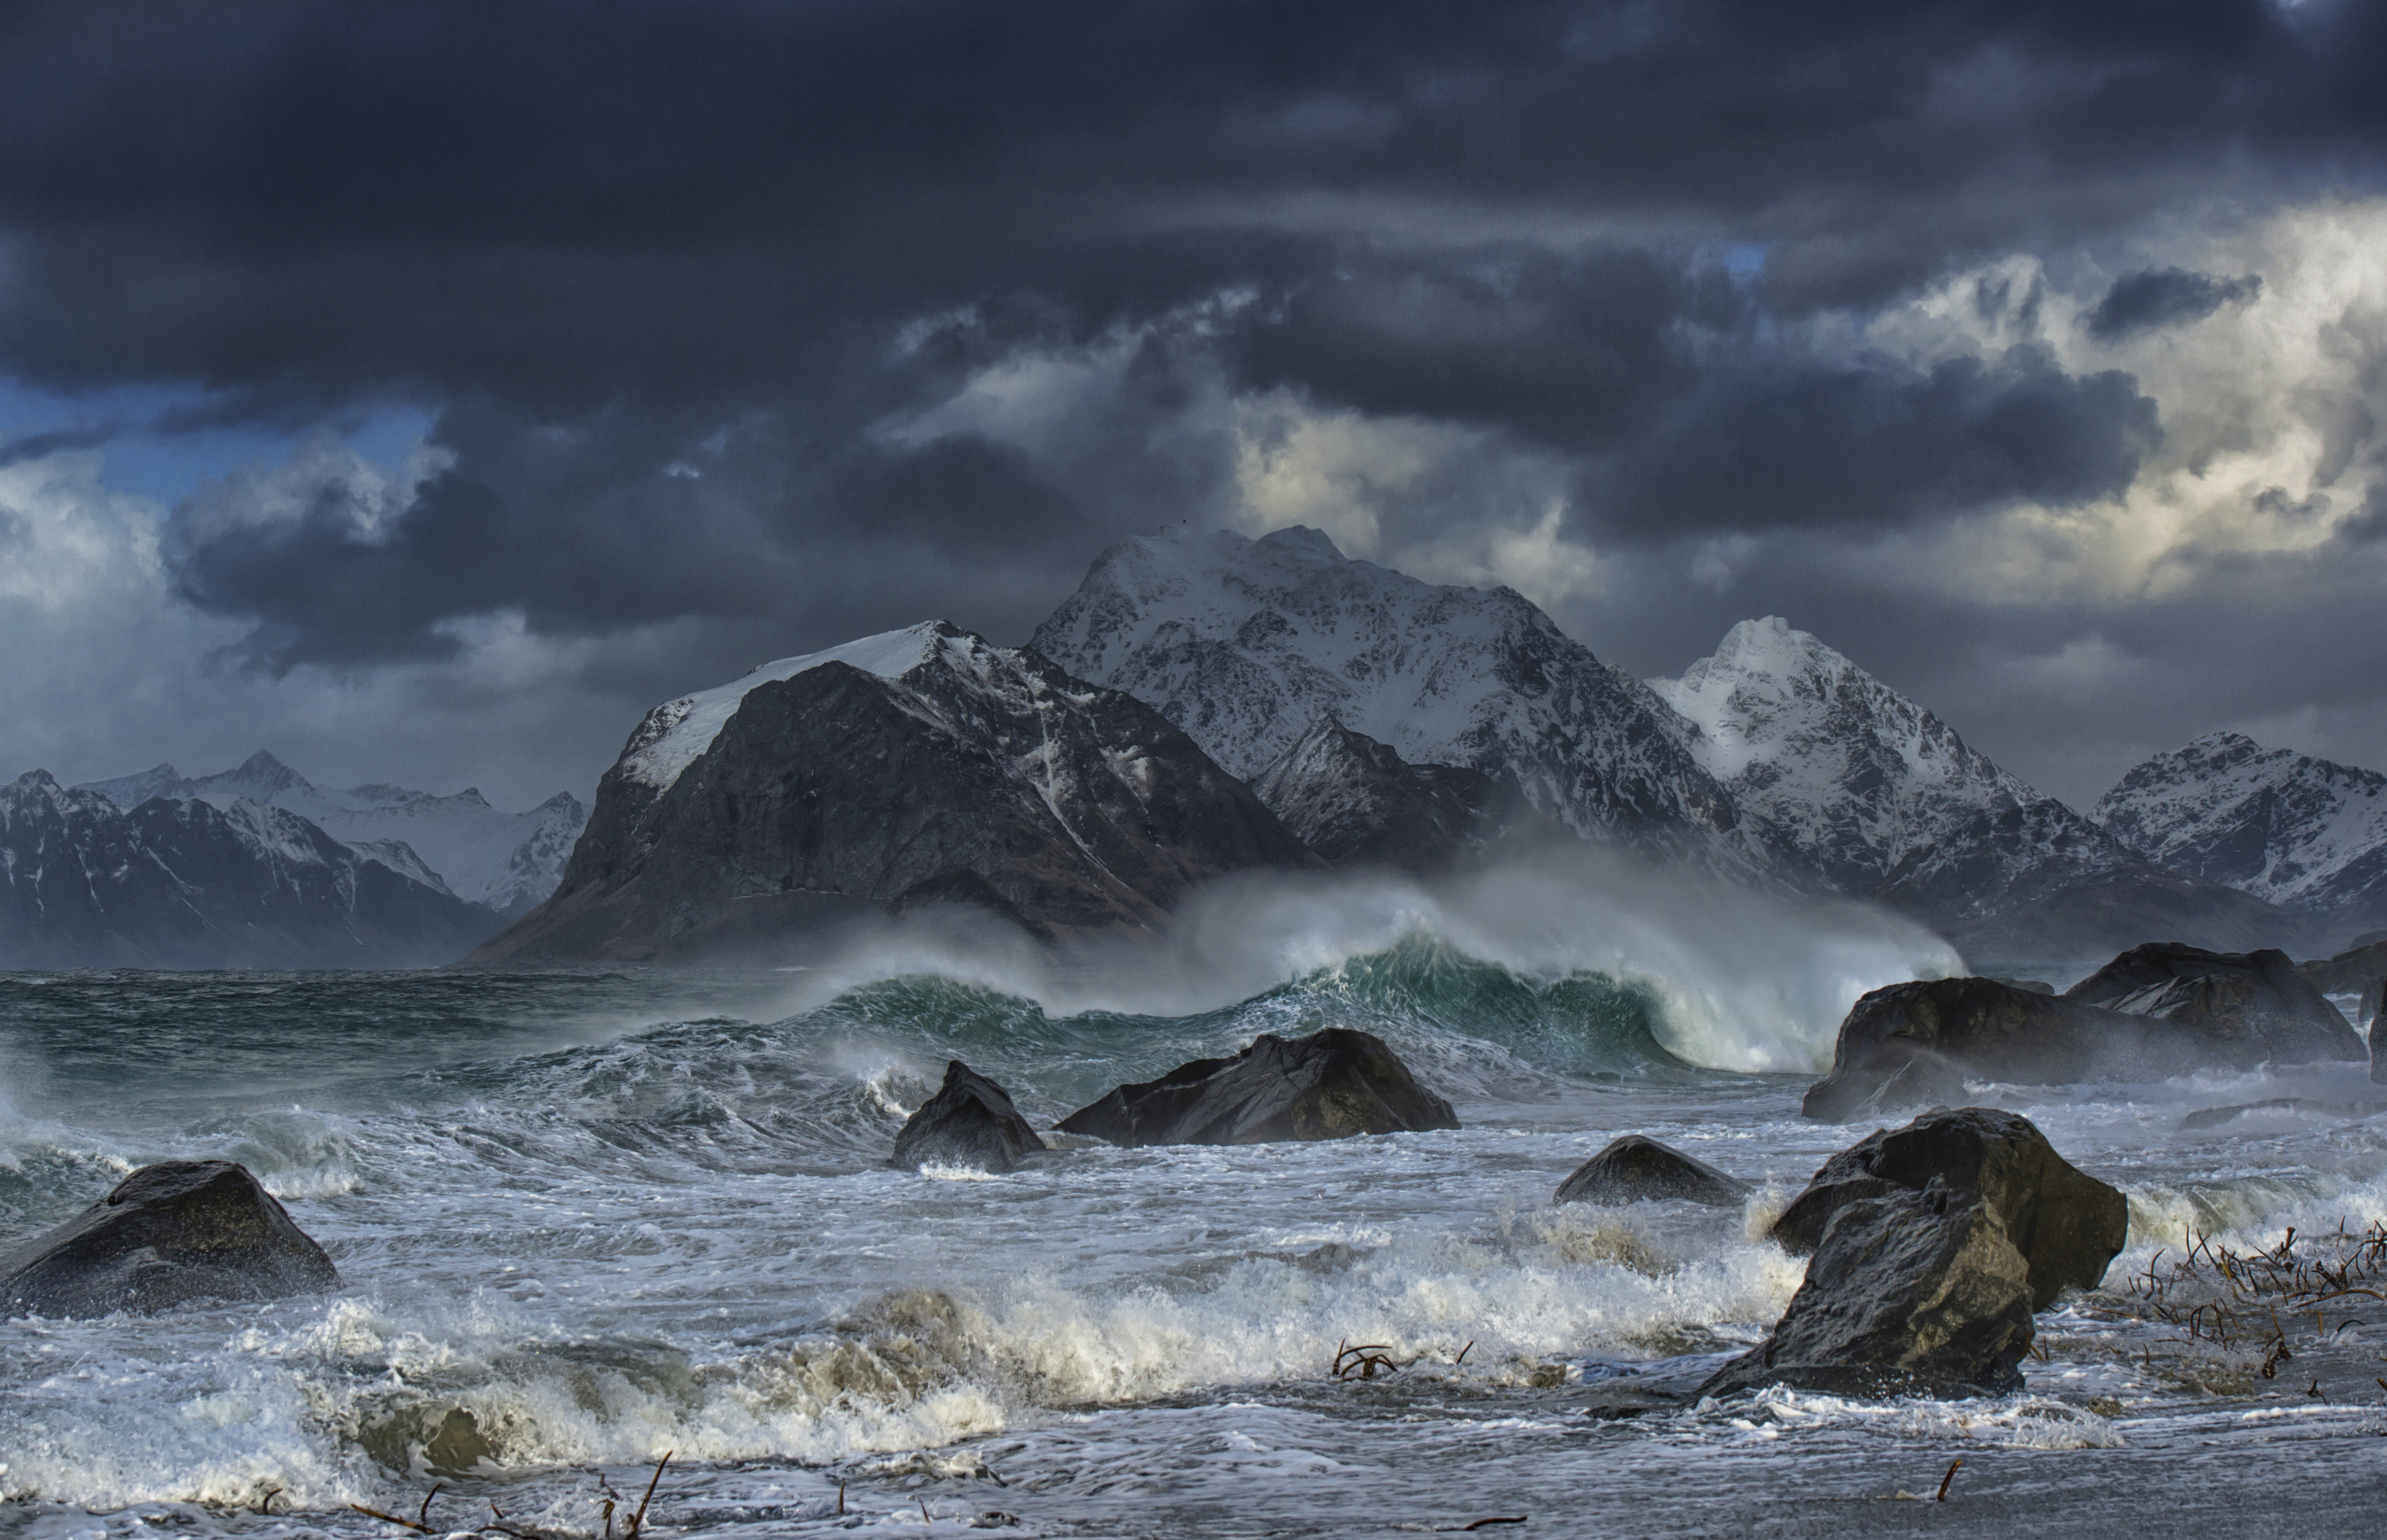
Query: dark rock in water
[
  {"x": 169, "y": 1233},
  {"x": 2157, "y": 1011},
  {"x": 2248, "y": 1008},
  {"x": 1908, "y": 1294},
  {"x": 1330, "y": 1085},
  {"x": 970, "y": 1121},
  {"x": 2067, "y": 1224},
  {"x": 2359, "y": 968},
  {"x": 1634, "y": 1167},
  {"x": 1913, "y": 1044}
]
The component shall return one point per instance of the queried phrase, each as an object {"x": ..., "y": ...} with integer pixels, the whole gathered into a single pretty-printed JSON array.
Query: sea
[{"x": 621, "y": 1251}]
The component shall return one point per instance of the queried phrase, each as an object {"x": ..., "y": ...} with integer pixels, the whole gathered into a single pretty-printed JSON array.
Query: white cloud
[{"x": 2265, "y": 406}]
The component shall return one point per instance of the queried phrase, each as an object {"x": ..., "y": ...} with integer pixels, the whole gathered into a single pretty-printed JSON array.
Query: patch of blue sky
[{"x": 147, "y": 449}]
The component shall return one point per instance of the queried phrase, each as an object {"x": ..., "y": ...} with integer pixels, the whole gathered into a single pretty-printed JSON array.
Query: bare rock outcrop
[
  {"x": 168, "y": 1234},
  {"x": 1634, "y": 1168},
  {"x": 970, "y": 1121},
  {"x": 1333, "y": 1084}
]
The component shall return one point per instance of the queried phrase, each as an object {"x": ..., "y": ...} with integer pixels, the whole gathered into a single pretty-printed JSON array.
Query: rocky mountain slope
[
  {"x": 1357, "y": 804},
  {"x": 508, "y": 862},
  {"x": 1246, "y": 644},
  {"x": 84, "y": 883},
  {"x": 1859, "y": 790},
  {"x": 2299, "y": 832},
  {"x": 921, "y": 766}
]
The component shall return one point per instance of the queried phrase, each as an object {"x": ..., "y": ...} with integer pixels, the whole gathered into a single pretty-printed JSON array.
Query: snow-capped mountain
[
  {"x": 507, "y": 862},
  {"x": 1845, "y": 776},
  {"x": 84, "y": 883},
  {"x": 2301, "y": 832},
  {"x": 921, "y": 766},
  {"x": 1245, "y": 643},
  {"x": 1868, "y": 795}
]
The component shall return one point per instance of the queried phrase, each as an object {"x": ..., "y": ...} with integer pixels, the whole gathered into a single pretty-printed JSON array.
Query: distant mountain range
[
  {"x": 1086, "y": 781},
  {"x": 505, "y": 861},
  {"x": 257, "y": 867},
  {"x": 186, "y": 884},
  {"x": 1205, "y": 704}
]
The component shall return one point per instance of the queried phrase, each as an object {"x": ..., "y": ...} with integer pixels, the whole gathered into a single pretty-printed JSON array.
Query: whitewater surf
[{"x": 587, "y": 1219}]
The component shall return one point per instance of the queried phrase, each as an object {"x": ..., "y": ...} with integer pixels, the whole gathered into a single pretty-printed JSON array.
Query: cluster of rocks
[
  {"x": 1333, "y": 1084},
  {"x": 1931, "y": 1244},
  {"x": 1931, "y": 1247},
  {"x": 2156, "y": 1011}
]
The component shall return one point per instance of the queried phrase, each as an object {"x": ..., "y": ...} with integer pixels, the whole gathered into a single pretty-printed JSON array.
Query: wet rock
[
  {"x": 2245, "y": 1008},
  {"x": 970, "y": 1121},
  {"x": 1332, "y": 1084},
  {"x": 1919, "y": 1294},
  {"x": 1913, "y": 1044},
  {"x": 1634, "y": 1167},
  {"x": 2156, "y": 1011},
  {"x": 2067, "y": 1224},
  {"x": 169, "y": 1233}
]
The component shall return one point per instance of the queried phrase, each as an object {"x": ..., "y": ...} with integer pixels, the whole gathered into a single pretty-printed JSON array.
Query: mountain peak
[
  {"x": 1244, "y": 643},
  {"x": 673, "y": 734}
]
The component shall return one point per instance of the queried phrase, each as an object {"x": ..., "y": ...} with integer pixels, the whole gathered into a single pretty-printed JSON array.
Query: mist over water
[{"x": 586, "y": 1218}]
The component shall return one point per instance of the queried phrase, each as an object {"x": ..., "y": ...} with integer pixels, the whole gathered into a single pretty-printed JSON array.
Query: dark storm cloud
[
  {"x": 1688, "y": 414},
  {"x": 2165, "y": 296},
  {"x": 598, "y": 238}
]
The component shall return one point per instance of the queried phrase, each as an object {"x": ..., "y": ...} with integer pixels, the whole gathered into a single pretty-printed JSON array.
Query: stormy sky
[{"x": 421, "y": 391}]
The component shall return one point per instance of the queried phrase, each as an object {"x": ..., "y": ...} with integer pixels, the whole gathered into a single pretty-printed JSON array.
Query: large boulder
[
  {"x": 2155, "y": 1011},
  {"x": 2067, "y": 1224},
  {"x": 169, "y": 1233},
  {"x": 1634, "y": 1167},
  {"x": 2246, "y": 1008},
  {"x": 969, "y": 1121},
  {"x": 1908, "y": 1294},
  {"x": 1330, "y": 1085},
  {"x": 1916, "y": 1043}
]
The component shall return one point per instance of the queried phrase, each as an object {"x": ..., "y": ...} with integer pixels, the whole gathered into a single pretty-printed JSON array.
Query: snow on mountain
[
  {"x": 1245, "y": 643},
  {"x": 2301, "y": 832},
  {"x": 184, "y": 883},
  {"x": 507, "y": 862},
  {"x": 676, "y": 732},
  {"x": 823, "y": 791},
  {"x": 1356, "y": 802},
  {"x": 1842, "y": 773},
  {"x": 1872, "y": 797}
]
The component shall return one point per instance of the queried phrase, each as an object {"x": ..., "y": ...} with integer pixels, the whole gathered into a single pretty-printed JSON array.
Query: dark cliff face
[
  {"x": 1357, "y": 802},
  {"x": 981, "y": 775},
  {"x": 185, "y": 884}
]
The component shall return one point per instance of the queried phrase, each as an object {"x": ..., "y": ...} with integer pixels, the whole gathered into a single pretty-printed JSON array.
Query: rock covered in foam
[
  {"x": 1332, "y": 1084},
  {"x": 970, "y": 1121},
  {"x": 2067, "y": 1224},
  {"x": 1634, "y": 1167},
  {"x": 169, "y": 1233}
]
